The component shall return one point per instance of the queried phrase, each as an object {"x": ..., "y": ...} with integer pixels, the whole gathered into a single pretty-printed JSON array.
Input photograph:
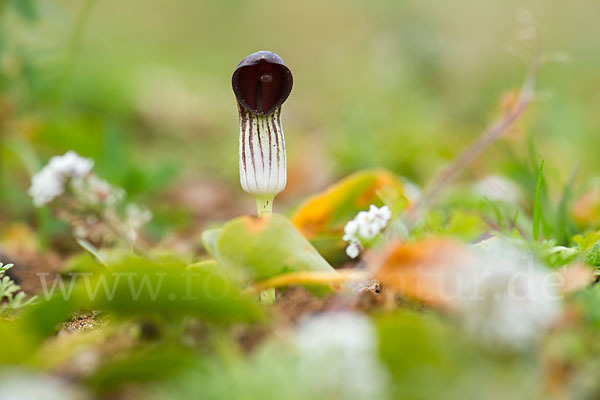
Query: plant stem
[
  {"x": 264, "y": 205},
  {"x": 267, "y": 296}
]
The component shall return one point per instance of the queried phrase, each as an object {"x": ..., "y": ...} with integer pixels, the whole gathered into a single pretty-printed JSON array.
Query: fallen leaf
[
  {"x": 421, "y": 270},
  {"x": 585, "y": 209},
  {"x": 264, "y": 247},
  {"x": 576, "y": 277}
]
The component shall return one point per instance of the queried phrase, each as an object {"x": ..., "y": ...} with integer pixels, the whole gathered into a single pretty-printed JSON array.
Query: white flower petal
[
  {"x": 46, "y": 185},
  {"x": 353, "y": 250}
]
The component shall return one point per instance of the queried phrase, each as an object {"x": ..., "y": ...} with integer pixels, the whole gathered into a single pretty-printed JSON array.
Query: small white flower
[
  {"x": 380, "y": 216},
  {"x": 50, "y": 182},
  {"x": 365, "y": 227},
  {"x": 46, "y": 185},
  {"x": 71, "y": 164},
  {"x": 350, "y": 230},
  {"x": 353, "y": 250}
]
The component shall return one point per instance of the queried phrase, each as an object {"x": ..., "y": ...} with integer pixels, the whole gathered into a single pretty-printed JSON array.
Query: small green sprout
[
  {"x": 12, "y": 298},
  {"x": 593, "y": 256}
]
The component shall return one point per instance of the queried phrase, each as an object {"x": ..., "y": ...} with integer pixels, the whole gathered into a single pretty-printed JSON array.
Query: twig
[{"x": 484, "y": 140}]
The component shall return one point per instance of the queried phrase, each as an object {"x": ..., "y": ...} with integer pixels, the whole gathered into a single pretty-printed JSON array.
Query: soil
[{"x": 28, "y": 265}]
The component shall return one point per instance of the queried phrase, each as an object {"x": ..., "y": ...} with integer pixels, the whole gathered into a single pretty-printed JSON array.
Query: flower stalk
[{"x": 264, "y": 205}]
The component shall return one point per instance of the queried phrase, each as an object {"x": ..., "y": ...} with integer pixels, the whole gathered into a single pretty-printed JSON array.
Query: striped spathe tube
[{"x": 262, "y": 156}]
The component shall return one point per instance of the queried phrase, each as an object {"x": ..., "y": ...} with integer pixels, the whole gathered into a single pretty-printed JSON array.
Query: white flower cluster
[
  {"x": 365, "y": 227},
  {"x": 95, "y": 209},
  {"x": 342, "y": 347},
  {"x": 50, "y": 182},
  {"x": 507, "y": 300}
]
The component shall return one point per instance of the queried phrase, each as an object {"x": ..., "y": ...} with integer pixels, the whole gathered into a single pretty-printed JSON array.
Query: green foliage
[
  {"x": 433, "y": 360},
  {"x": 593, "y": 255},
  {"x": 537, "y": 207},
  {"x": 563, "y": 225},
  {"x": 459, "y": 224},
  {"x": 12, "y": 298},
  {"x": 396, "y": 95},
  {"x": 270, "y": 373},
  {"x": 555, "y": 256},
  {"x": 589, "y": 303},
  {"x": 263, "y": 247},
  {"x": 134, "y": 285},
  {"x": 150, "y": 364},
  {"x": 587, "y": 240}
]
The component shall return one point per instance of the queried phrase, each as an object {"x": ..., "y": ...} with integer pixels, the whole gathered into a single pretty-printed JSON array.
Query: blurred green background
[{"x": 143, "y": 87}]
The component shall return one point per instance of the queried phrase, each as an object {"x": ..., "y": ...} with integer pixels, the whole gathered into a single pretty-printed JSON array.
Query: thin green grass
[{"x": 537, "y": 207}]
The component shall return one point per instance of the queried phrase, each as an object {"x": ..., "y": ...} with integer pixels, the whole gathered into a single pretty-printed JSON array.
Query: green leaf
[
  {"x": 593, "y": 256},
  {"x": 147, "y": 365},
  {"x": 587, "y": 241},
  {"x": 210, "y": 238},
  {"x": 459, "y": 224},
  {"x": 563, "y": 223},
  {"x": 267, "y": 246},
  {"x": 18, "y": 342},
  {"x": 136, "y": 286},
  {"x": 172, "y": 288}
]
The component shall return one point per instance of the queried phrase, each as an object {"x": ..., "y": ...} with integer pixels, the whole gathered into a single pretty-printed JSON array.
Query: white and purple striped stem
[{"x": 262, "y": 158}]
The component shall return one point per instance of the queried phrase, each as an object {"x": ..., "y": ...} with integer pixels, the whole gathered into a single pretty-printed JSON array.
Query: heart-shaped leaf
[{"x": 266, "y": 246}]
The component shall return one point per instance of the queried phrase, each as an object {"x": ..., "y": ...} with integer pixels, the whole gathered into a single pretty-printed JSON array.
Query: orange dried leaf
[
  {"x": 576, "y": 277},
  {"x": 421, "y": 270},
  {"x": 586, "y": 208}
]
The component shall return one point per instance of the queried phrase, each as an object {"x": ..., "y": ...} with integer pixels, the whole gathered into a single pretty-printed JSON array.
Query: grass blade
[{"x": 537, "y": 206}]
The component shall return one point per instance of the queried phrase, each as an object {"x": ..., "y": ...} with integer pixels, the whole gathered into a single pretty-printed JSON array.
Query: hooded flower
[{"x": 261, "y": 83}]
